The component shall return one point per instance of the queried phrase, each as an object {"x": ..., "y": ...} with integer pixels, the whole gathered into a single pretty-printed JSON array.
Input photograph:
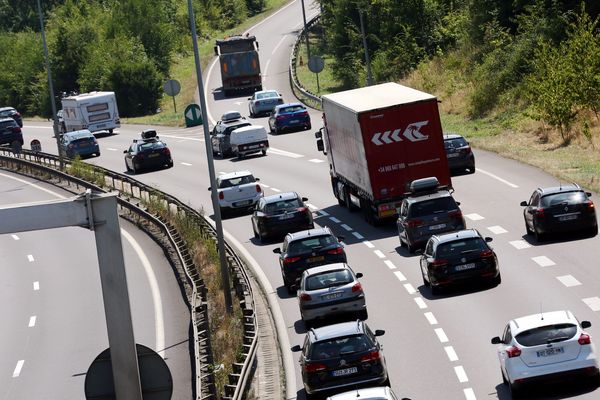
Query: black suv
[
  {"x": 221, "y": 133},
  {"x": 11, "y": 112},
  {"x": 279, "y": 214},
  {"x": 457, "y": 257},
  {"x": 559, "y": 209},
  {"x": 147, "y": 152},
  {"x": 459, "y": 153},
  {"x": 342, "y": 355},
  {"x": 428, "y": 210},
  {"x": 10, "y": 131},
  {"x": 306, "y": 249}
]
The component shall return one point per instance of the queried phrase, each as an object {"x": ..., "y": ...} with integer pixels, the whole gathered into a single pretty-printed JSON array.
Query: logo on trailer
[{"x": 412, "y": 133}]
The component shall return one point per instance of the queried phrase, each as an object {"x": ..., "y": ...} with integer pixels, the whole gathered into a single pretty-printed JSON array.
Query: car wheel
[
  {"x": 262, "y": 238},
  {"x": 472, "y": 169},
  {"x": 98, "y": 154},
  {"x": 411, "y": 248},
  {"x": 135, "y": 168},
  {"x": 515, "y": 392},
  {"x": 276, "y": 131},
  {"x": 170, "y": 164},
  {"x": 239, "y": 155},
  {"x": 255, "y": 234},
  {"x": 127, "y": 167},
  {"x": 504, "y": 380},
  {"x": 363, "y": 314},
  {"x": 264, "y": 152},
  {"x": 435, "y": 290},
  {"x": 308, "y": 127},
  {"x": 538, "y": 235}
]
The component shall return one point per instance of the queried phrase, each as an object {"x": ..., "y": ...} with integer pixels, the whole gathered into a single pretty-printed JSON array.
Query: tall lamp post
[
  {"x": 305, "y": 31},
  {"x": 364, "y": 38}
]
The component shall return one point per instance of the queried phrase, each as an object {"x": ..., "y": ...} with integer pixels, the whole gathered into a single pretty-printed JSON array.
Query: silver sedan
[{"x": 263, "y": 102}]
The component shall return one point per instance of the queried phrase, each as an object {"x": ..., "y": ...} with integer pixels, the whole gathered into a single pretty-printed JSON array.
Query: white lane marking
[
  {"x": 452, "y": 356},
  {"x": 368, "y": 244},
  {"x": 474, "y": 217},
  {"x": 37, "y": 127},
  {"x": 32, "y": 321},
  {"x": 279, "y": 152},
  {"x": 431, "y": 318},
  {"x": 15, "y": 237},
  {"x": 278, "y": 44},
  {"x": 441, "y": 335},
  {"x": 512, "y": 185},
  {"x": 30, "y": 258},
  {"x": 390, "y": 264},
  {"x": 379, "y": 253},
  {"x": 316, "y": 160},
  {"x": 497, "y": 229},
  {"x": 543, "y": 261},
  {"x": 36, "y": 285},
  {"x": 264, "y": 75},
  {"x": 265, "y": 186},
  {"x": 469, "y": 394},
  {"x": 275, "y": 190},
  {"x": 420, "y": 303},
  {"x": 18, "y": 368},
  {"x": 323, "y": 213},
  {"x": 520, "y": 244},
  {"x": 461, "y": 374},
  {"x": 43, "y": 189},
  {"x": 112, "y": 149},
  {"x": 358, "y": 235},
  {"x": 593, "y": 303},
  {"x": 312, "y": 207},
  {"x": 222, "y": 172},
  {"x": 400, "y": 276},
  {"x": 159, "y": 327},
  {"x": 346, "y": 227},
  {"x": 334, "y": 219},
  {"x": 409, "y": 288},
  {"x": 186, "y": 164},
  {"x": 568, "y": 280}
]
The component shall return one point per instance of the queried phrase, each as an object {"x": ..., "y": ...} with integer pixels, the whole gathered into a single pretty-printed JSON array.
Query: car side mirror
[
  {"x": 488, "y": 239},
  {"x": 359, "y": 275},
  {"x": 257, "y": 179},
  {"x": 523, "y": 204},
  {"x": 318, "y": 134},
  {"x": 124, "y": 151},
  {"x": 586, "y": 324},
  {"x": 458, "y": 203},
  {"x": 277, "y": 250},
  {"x": 379, "y": 332},
  {"x": 588, "y": 194},
  {"x": 296, "y": 348},
  {"x": 305, "y": 199},
  {"x": 496, "y": 340},
  {"x": 210, "y": 188},
  {"x": 320, "y": 145},
  {"x": 341, "y": 238}
]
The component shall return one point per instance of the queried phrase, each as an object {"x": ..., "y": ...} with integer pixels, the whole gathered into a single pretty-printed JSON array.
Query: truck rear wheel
[
  {"x": 365, "y": 207},
  {"x": 348, "y": 200}
]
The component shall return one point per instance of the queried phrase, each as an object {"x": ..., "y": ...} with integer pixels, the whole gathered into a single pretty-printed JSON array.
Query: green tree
[{"x": 137, "y": 87}]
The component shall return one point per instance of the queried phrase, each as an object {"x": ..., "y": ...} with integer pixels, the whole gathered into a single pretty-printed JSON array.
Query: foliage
[{"x": 138, "y": 87}]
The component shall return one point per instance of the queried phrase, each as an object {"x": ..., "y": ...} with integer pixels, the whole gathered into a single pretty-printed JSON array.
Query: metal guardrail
[
  {"x": 310, "y": 99},
  {"x": 132, "y": 195}
]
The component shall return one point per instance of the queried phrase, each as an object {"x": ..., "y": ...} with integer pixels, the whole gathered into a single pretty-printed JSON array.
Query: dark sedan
[
  {"x": 10, "y": 131},
  {"x": 11, "y": 112},
  {"x": 280, "y": 214},
  {"x": 564, "y": 208},
  {"x": 456, "y": 257},
  {"x": 147, "y": 152},
  {"x": 289, "y": 116},
  {"x": 459, "y": 153}
]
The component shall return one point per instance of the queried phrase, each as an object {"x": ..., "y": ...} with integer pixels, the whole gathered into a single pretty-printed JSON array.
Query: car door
[
  {"x": 129, "y": 155},
  {"x": 534, "y": 203},
  {"x": 260, "y": 206},
  {"x": 427, "y": 254},
  {"x": 506, "y": 341},
  {"x": 402, "y": 220}
]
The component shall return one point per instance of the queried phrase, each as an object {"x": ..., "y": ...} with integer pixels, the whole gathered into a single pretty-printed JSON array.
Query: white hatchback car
[
  {"x": 374, "y": 393},
  {"x": 545, "y": 347},
  {"x": 238, "y": 191}
]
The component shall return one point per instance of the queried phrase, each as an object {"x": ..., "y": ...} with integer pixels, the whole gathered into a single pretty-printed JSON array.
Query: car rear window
[
  {"x": 338, "y": 347},
  {"x": 282, "y": 205},
  {"x": 87, "y": 140},
  {"x": 310, "y": 243},
  {"x": 546, "y": 334},
  {"x": 329, "y": 279},
  {"x": 458, "y": 247},
  {"x": 291, "y": 109},
  {"x": 266, "y": 95},
  {"x": 457, "y": 142},
  {"x": 6, "y": 124},
  {"x": 432, "y": 206},
  {"x": 148, "y": 146},
  {"x": 574, "y": 197},
  {"x": 241, "y": 180}
]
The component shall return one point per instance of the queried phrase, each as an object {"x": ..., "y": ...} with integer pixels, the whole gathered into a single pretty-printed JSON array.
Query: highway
[
  {"x": 437, "y": 347},
  {"x": 53, "y": 323}
]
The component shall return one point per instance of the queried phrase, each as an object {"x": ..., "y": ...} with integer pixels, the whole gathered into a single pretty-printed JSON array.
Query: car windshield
[
  {"x": 453, "y": 143},
  {"x": 338, "y": 347},
  {"x": 563, "y": 198},
  {"x": 149, "y": 146},
  {"x": 310, "y": 243},
  {"x": 329, "y": 279},
  {"x": 282, "y": 205},
  {"x": 241, "y": 180},
  {"x": 432, "y": 206},
  {"x": 459, "y": 247},
  {"x": 266, "y": 95},
  {"x": 291, "y": 109},
  {"x": 547, "y": 334}
]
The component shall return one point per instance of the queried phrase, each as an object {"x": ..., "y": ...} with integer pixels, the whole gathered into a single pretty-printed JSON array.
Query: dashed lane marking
[
  {"x": 474, "y": 217},
  {"x": 469, "y": 394},
  {"x": 452, "y": 356},
  {"x": 512, "y": 185},
  {"x": 32, "y": 321},
  {"x": 15, "y": 237},
  {"x": 379, "y": 253},
  {"x": 520, "y": 244},
  {"x": 112, "y": 149},
  {"x": 568, "y": 280},
  {"x": 358, "y": 235},
  {"x": 400, "y": 276},
  {"x": 18, "y": 368},
  {"x": 431, "y": 318},
  {"x": 497, "y": 229},
  {"x": 30, "y": 258},
  {"x": 543, "y": 261},
  {"x": 334, "y": 219},
  {"x": 391, "y": 265},
  {"x": 441, "y": 335},
  {"x": 368, "y": 244},
  {"x": 279, "y": 152},
  {"x": 461, "y": 374},
  {"x": 346, "y": 227},
  {"x": 409, "y": 288},
  {"x": 323, "y": 213},
  {"x": 36, "y": 285},
  {"x": 316, "y": 161},
  {"x": 186, "y": 164},
  {"x": 275, "y": 190},
  {"x": 420, "y": 303},
  {"x": 593, "y": 303}
]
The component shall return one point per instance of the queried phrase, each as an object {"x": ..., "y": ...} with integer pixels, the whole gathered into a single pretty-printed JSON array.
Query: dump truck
[{"x": 240, "y": 65}]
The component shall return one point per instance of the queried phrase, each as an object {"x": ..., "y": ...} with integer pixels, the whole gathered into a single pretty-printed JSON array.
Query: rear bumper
[
  {"x": 235, "y": 205},
  {"x": 374, "y": 379},
  {"x": 346, "y": 306},
  {"x": 250, "y": 148},
  {"x": 487, "y": 274},
  {"x": 8, "y": 139},
  {"x": 521, "y": 374},
  {"x": 282, "y": 229},
  {"x": 567, "y": 226}
]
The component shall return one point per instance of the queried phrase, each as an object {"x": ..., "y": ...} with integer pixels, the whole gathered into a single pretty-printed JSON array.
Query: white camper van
[
  {"x": 95, "y": 111},
  {"x": 249, "y": 139}
]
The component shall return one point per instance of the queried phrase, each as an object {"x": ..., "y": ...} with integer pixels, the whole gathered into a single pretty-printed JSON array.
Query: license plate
[
  {"x": 567, "y": 217},
  {"x": 243, "y": 203},
  {"x": 154, "y": 155},
  {"x": 464, "y": 267},
  {"x": 286, "y": 216},
  {"x": 294, "y": 121},
  {"x": 345, "y": 371},
  {"x": 436, "y": 227},
  {"x": 332, "y": 296},
  {"x": 316, "y": 259},
  {"x": 101, "y": 125},
  {"x": 253, "y": 146},
  {"x": 550, "y": 352},
  {"x": 451, "y": 155}
]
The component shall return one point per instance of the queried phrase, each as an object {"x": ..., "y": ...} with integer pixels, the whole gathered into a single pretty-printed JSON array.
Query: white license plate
[
  {"x": 567, "y": 217},
  {"x": 550, "y": 352},
  {"x": 253, "y": 146},
  {"x": 464, "y": 267},
  {"x": 345, "y": 371},
  {"x": 286, "y": 216},
  {"x": 294, "y": 121},
  {"x": 451, "y": 155},
  {"x": 243, "y": 203},
  {"x": 332, "y": 296},
  {"x": 436, "y": 227}
]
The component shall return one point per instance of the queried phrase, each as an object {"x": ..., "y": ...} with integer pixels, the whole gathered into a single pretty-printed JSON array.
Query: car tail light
[
  {"x": 280, "y": 118},
  {"x": 584, "y": 338},
  {"x": 302, "y": 209},
  {"x": 486, "y": 254},
  {"x": 95, "y": 141},
  {"x": 372, "y": 356},
  {"x": 439, "y": 262},
  {"x": 590, "y": 205},
  {"x": 16, "y": 129},
  {"x": 221, "y": 195},
  {"x": 258, "y": 189},
  {"x": 305, "y": 297},
  {"x": 302, "y": 114},
  {"x": 314, "y": 367},
  {"x": 140, "y": 156},
  {"x": 257, "y": 103},
  {"x": 166, "y": 151},
  {"x": 539, "y": 212},
  {"x": 414, "y": 223},
  {"x": 357, "y": 287},
  {"x": 455, "y": 214},
  {"x": 513, "y": 351},
  {"x": 289, "y": 260},
  {"x": 337, "y": 250},
  {"x": 466, "y": 151}
]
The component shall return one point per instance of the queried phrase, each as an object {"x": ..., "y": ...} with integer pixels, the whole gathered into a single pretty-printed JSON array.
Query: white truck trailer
[{"x": 95, "y": 111}]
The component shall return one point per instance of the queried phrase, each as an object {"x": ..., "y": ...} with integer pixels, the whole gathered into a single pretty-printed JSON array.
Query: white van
[
  {"x": 95, "y": 111},
  {"x": 249, "y": 139}
]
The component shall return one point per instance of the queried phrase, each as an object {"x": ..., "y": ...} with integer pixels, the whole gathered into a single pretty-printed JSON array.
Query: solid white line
[
  {"x": 451, "y": 353},
  {"x": 208, "y": 73},
  {"x": 60, "y": 196},
  {"x": 512, "y": 185},
  {"x": 334, "y": 219},
  {"x": 358, "y": 235},
  {"x": 30, "y": 258},
  {"x": 568, "y": 280},
  {"x": 264, "y": 75},
  {"x": 368, "y": 244},
  {"x": 275, "y": 190},
  {"x": 222, "y": 172},
  {"x": 469, "y": 394},
  {"x": 520, "y": 244},
  {"x": 36, "y": 285},
  {"x": 279, "y": 152},
  {"x": 15, "y": 237},
  {"x": 390, "y": 264},
  {"x": 441, "y": 335},
  {"x": 420, "y": 303},
  {"x": 474, "y": 217},
  {"x": 278, "y": 44},
  {"x": 346, "y": 227},
  {"x": 32, "y": 321},
  {"x": 379, "y": 253},
  {"x": 316, "y": 160},
  {"x": 593, "y": 303},
  {"x": 543, "y": 261},
  {"x": 461, "y": 374},
  {"x": 186, "y": 164},
  {"x": 323, "y": 213},
  {"x": 431, "y": 318},
  {"x": 18, "y": 368},
  {"x": 497, "y": 229},
  {"x": 409, "y": 288},
  {"x": 400, "y": 276}
]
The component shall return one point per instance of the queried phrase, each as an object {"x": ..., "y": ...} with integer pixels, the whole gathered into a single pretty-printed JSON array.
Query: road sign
[
  {"x": 316, "y": 64},
  {"x": 36, "y": 146},
  {"x": 193, "y": 115},
  {"x": 172, "y": 87}
]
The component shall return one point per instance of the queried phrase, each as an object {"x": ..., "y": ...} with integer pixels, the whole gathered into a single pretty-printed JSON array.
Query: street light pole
[
  {"x": 305, "y": 31},
  {"x": 364, "y": 38},
  {"x": 211, "y": 167},
  {"x": 51, "y": 87}
]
